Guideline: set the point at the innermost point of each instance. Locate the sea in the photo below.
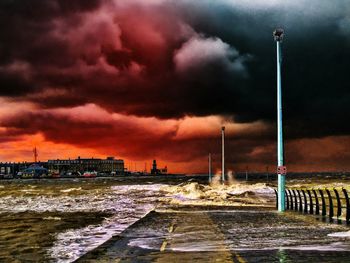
(60, 220)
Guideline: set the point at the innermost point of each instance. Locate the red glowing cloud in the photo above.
(157, 79)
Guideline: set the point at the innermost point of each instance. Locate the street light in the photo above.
(209, 172)
(281, 169)
(223, 154)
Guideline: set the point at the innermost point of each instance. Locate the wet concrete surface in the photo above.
(245, 234)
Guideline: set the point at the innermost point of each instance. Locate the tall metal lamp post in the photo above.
(281, 169)
(223, 154)
(209, 162)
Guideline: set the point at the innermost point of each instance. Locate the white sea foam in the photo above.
(28, 190)
(336, 246)
(340, 234)
(52, 218)
(72, 244)
(128, 203)
(217, 194)
(125, 203)
(70, 190)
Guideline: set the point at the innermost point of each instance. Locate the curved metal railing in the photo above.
(333, 203)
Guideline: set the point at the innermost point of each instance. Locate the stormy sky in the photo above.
(156, 79)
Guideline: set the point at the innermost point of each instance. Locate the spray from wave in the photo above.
(230, 193)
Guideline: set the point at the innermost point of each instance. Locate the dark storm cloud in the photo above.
(316, 61)
(37, 10)
(123, 58)
(13, 85)
(24, 24)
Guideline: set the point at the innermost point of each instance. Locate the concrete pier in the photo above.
(242, 234)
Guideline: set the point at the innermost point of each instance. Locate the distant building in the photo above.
(81, 165)
(6, 168)
(73, 167)
(34, 171)
(11, 168)
(155, 170)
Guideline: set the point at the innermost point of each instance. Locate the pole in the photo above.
(267, 173)
(223, 154)
(278, 33)
(209, 172)
(35, 155)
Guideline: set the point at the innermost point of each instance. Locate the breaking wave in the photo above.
(241, 194)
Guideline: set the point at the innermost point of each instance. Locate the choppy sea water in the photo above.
(79, 215)
(59, 221)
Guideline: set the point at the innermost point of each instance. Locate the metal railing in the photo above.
(332, 203)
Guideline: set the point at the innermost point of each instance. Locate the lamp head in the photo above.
(278, 34)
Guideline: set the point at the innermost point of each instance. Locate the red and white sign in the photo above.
(282, 170)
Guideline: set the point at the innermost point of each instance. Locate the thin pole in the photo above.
(35, 154)
(209, 172)
(267, 173)
(280, 153)
(223, 153)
